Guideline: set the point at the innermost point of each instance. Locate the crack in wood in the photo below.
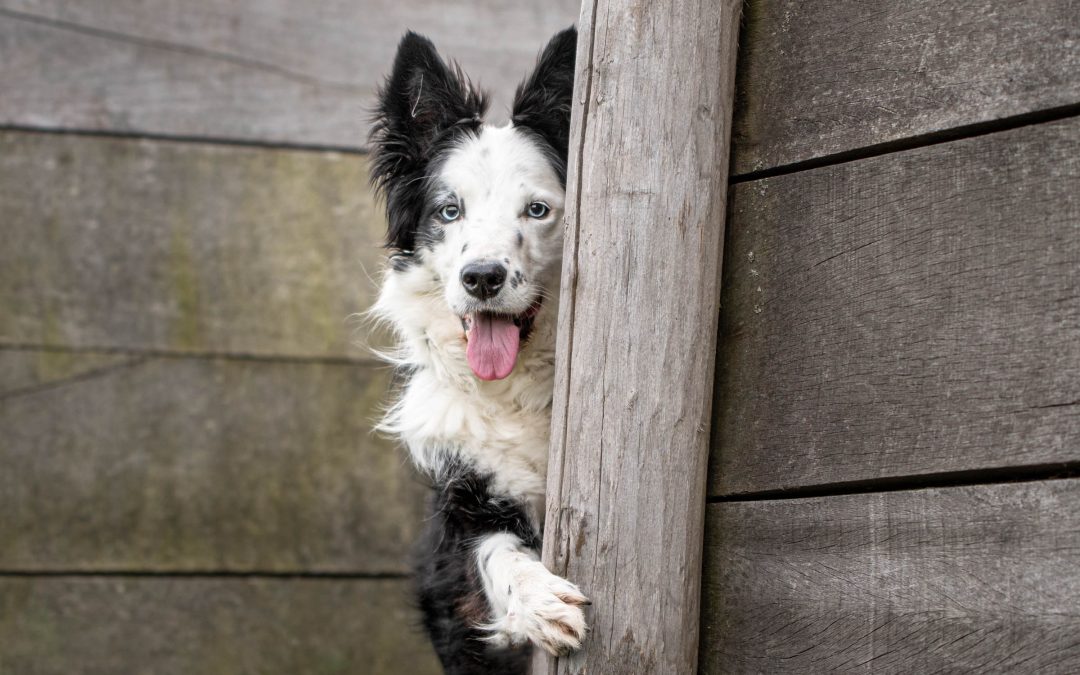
(93, 374)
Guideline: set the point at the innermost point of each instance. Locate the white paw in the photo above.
(543, 609)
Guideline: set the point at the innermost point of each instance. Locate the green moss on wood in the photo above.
(186, 327)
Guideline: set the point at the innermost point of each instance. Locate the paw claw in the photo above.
(573, 599)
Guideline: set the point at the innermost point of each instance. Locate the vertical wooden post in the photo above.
(640, 288)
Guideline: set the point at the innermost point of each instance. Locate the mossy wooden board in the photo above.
(192, 464)
(181, 247)
(209, 626)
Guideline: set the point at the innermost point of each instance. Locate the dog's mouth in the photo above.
(494, 340)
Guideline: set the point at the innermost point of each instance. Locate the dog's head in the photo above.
(475, 211)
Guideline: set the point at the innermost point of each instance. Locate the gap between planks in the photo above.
(912, 142)
(949, 479)
(254, 144)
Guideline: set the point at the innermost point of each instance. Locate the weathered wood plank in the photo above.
(236, 626)
(199, 464)
(910, 314)
(626, 483)
(269, 70)
(184, 247)
(972, 579)
(822, 77)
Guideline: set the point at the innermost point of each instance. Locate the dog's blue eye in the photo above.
(537, 210)
(449, 213)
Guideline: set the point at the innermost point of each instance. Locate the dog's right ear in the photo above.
(423, 103)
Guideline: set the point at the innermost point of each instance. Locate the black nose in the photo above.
(484, 279)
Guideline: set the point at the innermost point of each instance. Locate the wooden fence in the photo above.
(188, 479)
(896, 412)
(897, 404)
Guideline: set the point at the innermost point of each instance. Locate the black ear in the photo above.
(423, 105)
(542, 102)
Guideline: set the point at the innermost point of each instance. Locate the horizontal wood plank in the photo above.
(910, 314)
(970, 579)
(818, 78)
(132, 464)
(184, 247)
(264, 71)
(236, 626)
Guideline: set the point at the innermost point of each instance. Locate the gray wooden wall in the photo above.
(188, 478)
(896, 445)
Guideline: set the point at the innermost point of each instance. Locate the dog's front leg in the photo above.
(528, 603)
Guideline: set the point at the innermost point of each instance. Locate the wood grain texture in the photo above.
(262, 70)
(821, 77)
(958, 580)
(238, 626)
(127, 463)
(150, 245)
(630, 421)
(911, 314)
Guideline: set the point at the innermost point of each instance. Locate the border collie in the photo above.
(471, 292)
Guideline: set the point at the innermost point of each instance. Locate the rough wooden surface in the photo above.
(270, 70)
(237, 626)
(977, 579)
(820, 77)
(626, 484)
(131, 463)
(184, 247)
(908, 314)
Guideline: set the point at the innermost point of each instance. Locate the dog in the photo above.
(471, 293)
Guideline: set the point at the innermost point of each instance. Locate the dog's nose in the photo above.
(483, 279)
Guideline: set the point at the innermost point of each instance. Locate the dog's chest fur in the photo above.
(502, 426)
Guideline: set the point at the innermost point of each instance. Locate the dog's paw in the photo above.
(542, 608)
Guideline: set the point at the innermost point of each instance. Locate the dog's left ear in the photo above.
(542, 102)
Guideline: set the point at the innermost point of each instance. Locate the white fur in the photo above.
(503, 426)
(529, 602)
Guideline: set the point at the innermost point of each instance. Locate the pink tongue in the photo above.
(493, 346)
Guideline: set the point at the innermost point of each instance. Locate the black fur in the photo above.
(463, 510)
(543, 101)
(424, 106)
